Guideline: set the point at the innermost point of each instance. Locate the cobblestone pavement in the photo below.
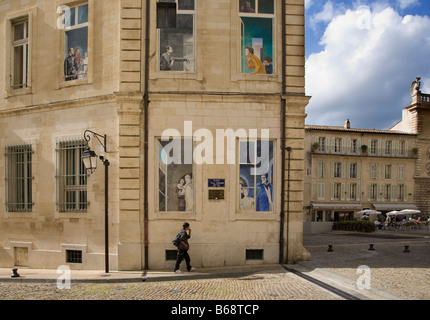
(394, 274)
(266, 285)
(403, 275)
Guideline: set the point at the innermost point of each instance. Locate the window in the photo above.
(388, 147)
(353, 191)
(257, 35)
(402, 193)
(320, 190)
(254, 254)
(387, 192)
(73, 256)
(256, 176)
(353, 170)
(20, 54)
(75, 42)
(177, 40)
(387, 171)
(374, 147)
(71, 177)
(373, 192)
(175, 175)
(321, 169)
(401, 172)
(373, 167)
(18, 178)
(402, 148)
(322, 145)
(337, 191)
(166, 15)
(354, 144)
(337, 169)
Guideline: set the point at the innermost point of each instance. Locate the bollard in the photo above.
(15, 273)
(330, 248)
(406, 249)
(371, 247)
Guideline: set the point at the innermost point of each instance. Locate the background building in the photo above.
(348, 170)
(108, 66)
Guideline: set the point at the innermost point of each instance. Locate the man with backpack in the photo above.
(181, 241)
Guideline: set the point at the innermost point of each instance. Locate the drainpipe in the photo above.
(283, 138)
(145, 133)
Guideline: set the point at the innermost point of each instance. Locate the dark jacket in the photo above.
(184, 238)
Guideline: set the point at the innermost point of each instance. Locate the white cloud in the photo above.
(308, 4)
(367, 66)
(328, 13)
(407, 3)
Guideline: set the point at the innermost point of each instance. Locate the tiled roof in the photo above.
(332, 128)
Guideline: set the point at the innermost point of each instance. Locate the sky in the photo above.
(361, 58)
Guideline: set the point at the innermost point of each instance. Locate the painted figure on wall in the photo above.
(253, 62)
(167, 60)
(264, 195)
(70, 66)
(245, 202)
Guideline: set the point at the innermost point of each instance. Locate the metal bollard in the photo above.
(406, 249)
(330, 248)
(371, 247)
(15, 273)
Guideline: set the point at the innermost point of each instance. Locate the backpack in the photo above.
(177, 240)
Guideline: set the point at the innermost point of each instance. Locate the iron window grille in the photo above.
(73, 256)
(18, 178)
(71, 177)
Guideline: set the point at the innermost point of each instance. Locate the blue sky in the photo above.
(361, 58)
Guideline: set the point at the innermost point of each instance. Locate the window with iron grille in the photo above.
(18, 178)
(253, 254)
(71, 177)
(73, 256)
(171, 255)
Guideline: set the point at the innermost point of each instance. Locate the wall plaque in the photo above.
(216, 194)
(216, 183)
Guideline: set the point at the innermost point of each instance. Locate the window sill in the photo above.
(18, 92)
(242, 215)
(74, 83)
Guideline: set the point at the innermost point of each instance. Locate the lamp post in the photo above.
(89, 158)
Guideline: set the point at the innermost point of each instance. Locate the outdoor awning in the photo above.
(336, 206)
(393, 206)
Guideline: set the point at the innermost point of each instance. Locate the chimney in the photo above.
(347, 124)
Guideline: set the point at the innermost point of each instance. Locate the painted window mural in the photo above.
(175, 175)
(177, 44)
(256, 176)
(76, 42)
(257, 41)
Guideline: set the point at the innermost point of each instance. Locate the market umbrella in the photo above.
(410, 211)
(369, 211)
(394, 213)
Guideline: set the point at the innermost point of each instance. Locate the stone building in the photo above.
(348, 169)
(177, 96)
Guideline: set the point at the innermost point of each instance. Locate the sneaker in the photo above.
(178, 271)
(192, 269)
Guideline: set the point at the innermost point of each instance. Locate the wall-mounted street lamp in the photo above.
(89, 158)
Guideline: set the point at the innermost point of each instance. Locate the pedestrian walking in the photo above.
(181, 241)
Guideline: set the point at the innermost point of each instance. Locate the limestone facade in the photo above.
(390, 174)
(52, 210)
